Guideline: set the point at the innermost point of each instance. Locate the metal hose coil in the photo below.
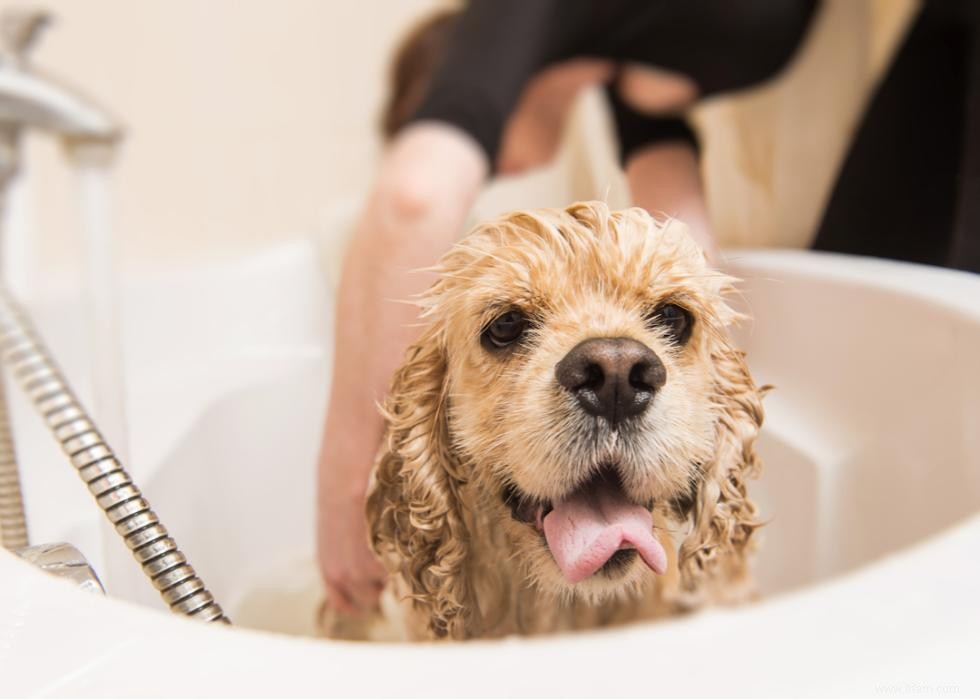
(13, 523)
(22, 349)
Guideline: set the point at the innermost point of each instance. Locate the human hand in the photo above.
(351, 573)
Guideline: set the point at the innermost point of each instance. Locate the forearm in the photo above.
(371, 333)
(665, 178)
(425, 189)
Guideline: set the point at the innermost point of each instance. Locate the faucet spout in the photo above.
(27, 100)
(30, 99)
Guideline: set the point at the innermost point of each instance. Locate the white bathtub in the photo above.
(870, 563)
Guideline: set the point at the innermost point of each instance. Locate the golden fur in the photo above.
(462, 424)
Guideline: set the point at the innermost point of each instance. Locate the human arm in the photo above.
(665, 177)
(426, 185)
(659, 150)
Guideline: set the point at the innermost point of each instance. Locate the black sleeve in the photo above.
(636, 130)
(722, 45)
(496, 47)
(965, 252)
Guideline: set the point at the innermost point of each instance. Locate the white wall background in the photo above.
(245, 120)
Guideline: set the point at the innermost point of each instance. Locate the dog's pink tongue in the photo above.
(585, 530)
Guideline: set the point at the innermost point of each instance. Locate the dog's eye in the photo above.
(506, 329)
(677, 321)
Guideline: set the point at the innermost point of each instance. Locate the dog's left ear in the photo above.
(414, 511)
(714, 554)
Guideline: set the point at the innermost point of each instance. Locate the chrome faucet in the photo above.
(31, 100)
(28, 100)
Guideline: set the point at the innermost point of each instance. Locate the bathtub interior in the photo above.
(867, 445)
(870, 442)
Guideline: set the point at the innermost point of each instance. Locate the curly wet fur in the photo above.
(462, 423)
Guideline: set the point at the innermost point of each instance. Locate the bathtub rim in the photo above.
(769, 626)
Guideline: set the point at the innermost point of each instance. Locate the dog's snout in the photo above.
(612, 377)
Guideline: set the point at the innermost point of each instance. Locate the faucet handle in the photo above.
(19, 30)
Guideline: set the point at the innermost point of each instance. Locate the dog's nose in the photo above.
(612, 377)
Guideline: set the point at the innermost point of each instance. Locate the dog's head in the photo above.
(575, 376)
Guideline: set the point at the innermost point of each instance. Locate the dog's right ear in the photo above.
(414, 512)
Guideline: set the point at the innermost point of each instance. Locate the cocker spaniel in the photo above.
(568, 440)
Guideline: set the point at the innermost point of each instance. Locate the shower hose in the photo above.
(31, 365)
(13, 524)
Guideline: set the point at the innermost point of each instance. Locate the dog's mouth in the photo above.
(595, 527)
